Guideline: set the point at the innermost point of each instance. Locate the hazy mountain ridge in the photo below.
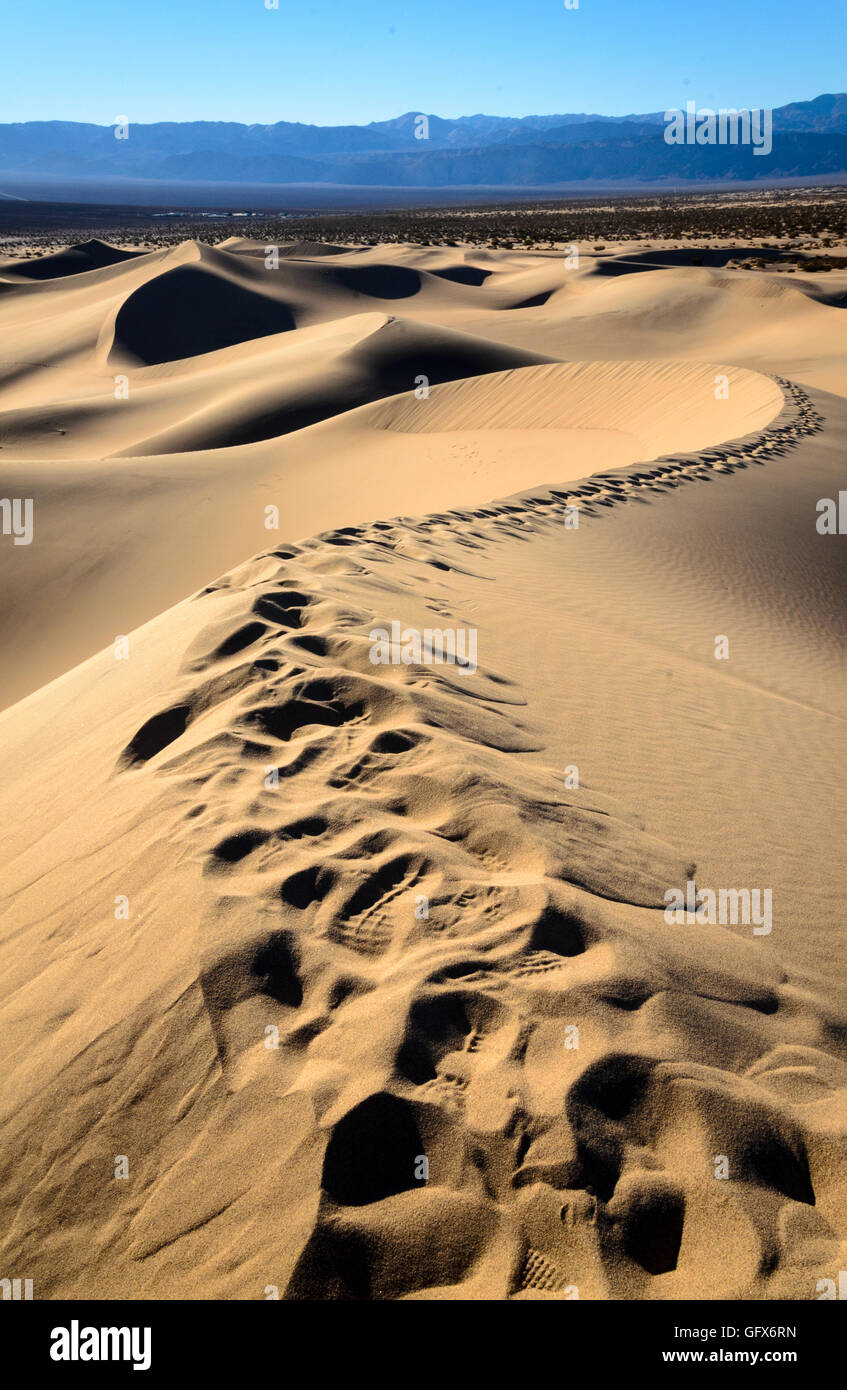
(809, 138)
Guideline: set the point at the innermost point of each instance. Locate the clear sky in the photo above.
(328, 62)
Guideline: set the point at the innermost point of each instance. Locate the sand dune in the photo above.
(613, 306)
(77, 260)
(214, 438)
(661, 404)
(279, 923)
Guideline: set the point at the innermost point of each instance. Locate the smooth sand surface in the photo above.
(364, 969)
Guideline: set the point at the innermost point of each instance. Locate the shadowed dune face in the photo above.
(77, 260)
(820, 289)
(365, 965)
(463, 274)
(190, 311)
(272, 403)
(298, 250)
(269, 390)
(624, 263)
(380, 282)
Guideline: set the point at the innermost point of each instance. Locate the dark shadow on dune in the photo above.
(653, 1231)
(401, 351)
(379, 281)
(302, 249)
(436, 1024)
(463, 274)
(670, 258)
(737, 258)
(385, 364)
(534, 302)
(822, 294)
(605, 1096)
(335, 1265)
(159, 731)
(372, 1152)
(89, 255)
(293, 251)
(189, 310)
(276, 967)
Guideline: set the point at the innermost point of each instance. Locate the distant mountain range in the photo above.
(809, 139)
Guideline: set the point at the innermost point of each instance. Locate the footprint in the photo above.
(283, 609)
(159, 732)
(539, 1274)
(372, 1152)
(314, 706)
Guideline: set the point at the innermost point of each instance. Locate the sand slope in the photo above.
(156, 405)
(278, 923)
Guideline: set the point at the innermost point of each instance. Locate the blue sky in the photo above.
(327, 62)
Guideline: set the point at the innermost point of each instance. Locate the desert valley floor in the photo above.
(229, 1030)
